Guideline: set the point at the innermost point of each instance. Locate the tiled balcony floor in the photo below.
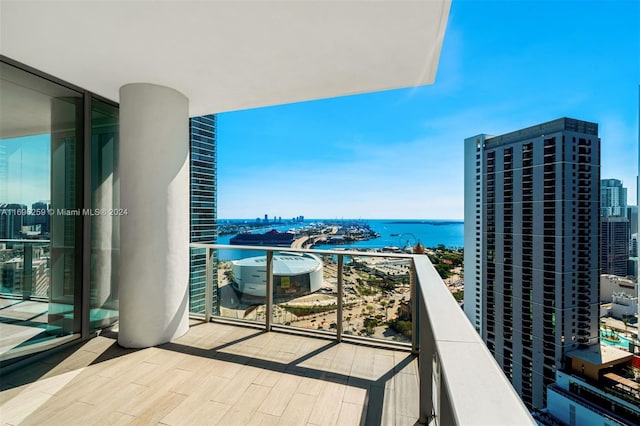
(216, 374)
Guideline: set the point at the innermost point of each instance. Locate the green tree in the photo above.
(384, 304)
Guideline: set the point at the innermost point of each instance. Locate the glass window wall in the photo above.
(43, 212)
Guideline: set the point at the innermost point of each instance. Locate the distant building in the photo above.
(596, 387)
(622, 306)
(610, 284)
(632, 215)
(613, 198)
(632, 267)
(614, 245)
(12, 219)
(203, 217)
(531, 248)
(43, 220)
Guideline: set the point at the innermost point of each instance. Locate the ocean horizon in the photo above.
(393, 232)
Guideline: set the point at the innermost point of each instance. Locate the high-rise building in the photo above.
(531, 247)
(614, 227)
(203, 217)
(614, 245)
(613, 198)
(11, 220)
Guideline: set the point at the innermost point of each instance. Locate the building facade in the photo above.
(613, 198)
(595, 387)
(531, 247)
(614, 245)
(203, 217)
(615, 226)
(632, 215)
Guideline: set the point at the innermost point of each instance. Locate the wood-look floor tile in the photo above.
(350, 414)
(357, 391)
(232, 392)
(243, 410)
(207, 413)
(263, 419)
(217, 374)
(298, 409)
(155, 407)
(280, 394)
(326, 409)
(62, 414)
(310, 386)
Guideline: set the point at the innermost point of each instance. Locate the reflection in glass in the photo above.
(203, 217)
(105, 220)
(40, 133)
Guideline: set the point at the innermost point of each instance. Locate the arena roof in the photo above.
(284, 264)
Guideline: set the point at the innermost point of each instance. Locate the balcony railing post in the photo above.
(269, 292)
(415, 311)
(208, 289)
(339, 327)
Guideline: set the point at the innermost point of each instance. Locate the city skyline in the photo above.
(399, 154)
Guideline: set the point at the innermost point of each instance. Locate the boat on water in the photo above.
(271, 238)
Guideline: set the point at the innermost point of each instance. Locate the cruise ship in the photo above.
(271, 238)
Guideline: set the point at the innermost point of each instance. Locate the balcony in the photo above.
(226, 371)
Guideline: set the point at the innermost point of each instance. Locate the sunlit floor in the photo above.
(26, 325)
(216, 374)
(21, 321)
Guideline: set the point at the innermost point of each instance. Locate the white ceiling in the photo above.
(229, 55)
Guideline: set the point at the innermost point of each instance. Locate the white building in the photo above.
(611, 284)
(593, 391)
(293, 274)
(623, 305)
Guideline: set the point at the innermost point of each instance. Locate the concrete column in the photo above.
(154, 188)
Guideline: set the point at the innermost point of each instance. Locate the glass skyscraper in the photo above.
(203, 217)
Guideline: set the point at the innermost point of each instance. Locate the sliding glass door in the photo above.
(58, 191)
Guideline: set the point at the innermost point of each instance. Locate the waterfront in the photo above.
(393, 233)
(401, 233)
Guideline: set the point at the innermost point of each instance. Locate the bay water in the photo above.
(393, 233)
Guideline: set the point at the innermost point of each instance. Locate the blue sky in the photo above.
(504, 65)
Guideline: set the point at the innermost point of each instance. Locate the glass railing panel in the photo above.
(305, 292)
(25, 272)
(334, 292)
(377, 298)
(240, 284)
